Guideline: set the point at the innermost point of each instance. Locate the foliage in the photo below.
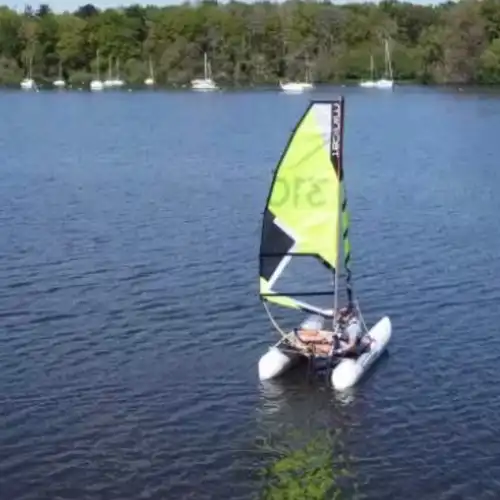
(317, 469)
(256, 43)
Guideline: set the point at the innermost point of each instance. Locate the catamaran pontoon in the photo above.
(306, 218)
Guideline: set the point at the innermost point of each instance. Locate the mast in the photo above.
(388, 64)
(337, 147)
(110, 62)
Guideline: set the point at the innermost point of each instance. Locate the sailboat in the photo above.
(387, 82)
(109, 82)
(306, 224)
(371, 82)
(308, 84)
(60, 80)
(28, 83)
(118, 82)
(97, 84)
(151, 78)
(205, 83)
(298, 87)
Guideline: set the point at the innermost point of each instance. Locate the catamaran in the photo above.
(306, 223)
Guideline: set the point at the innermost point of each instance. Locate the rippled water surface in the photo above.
(131, 327)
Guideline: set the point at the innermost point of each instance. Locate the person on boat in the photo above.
(343, 342)
(350, 334)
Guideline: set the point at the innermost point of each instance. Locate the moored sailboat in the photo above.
(150, 80)
(371, 82)
(387, 81)
(117, 81)
(306, 224)
(96, 84)
(207, 83)
(298, 87)
(60, 82)
(28, 83)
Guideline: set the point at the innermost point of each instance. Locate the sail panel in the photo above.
(278, 242)
(302, 212)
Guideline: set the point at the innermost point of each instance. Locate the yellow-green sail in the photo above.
(302, 215)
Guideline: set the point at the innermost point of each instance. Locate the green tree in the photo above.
(257, 43)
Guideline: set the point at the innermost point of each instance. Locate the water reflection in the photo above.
(309, 466)
(304, 430)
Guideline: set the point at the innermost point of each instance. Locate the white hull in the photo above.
(276, 362)
(295, 87)
(59, 83)
(384, 84)
(149, 81)
(28, 84)
(368, 84)
(346, 373)
(203, 85)
(96, 85)
(378, 84)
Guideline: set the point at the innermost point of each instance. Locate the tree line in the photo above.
(258, 43)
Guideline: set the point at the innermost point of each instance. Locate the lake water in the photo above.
(131, 326)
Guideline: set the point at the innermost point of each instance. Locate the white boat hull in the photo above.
(368, 84)
(384, 84)
(276, 361)
(96, 85)
(28, 84)
(348, 371)
(378, 84)
(295, 87)
(203, 85)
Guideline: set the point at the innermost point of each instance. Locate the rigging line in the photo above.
(274, 323)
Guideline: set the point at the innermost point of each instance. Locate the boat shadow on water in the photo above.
(312, 468)
(305, 432)
(316, 373)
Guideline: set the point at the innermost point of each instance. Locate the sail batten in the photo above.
(302, 217)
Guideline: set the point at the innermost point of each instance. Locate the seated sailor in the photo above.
(342, 342)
